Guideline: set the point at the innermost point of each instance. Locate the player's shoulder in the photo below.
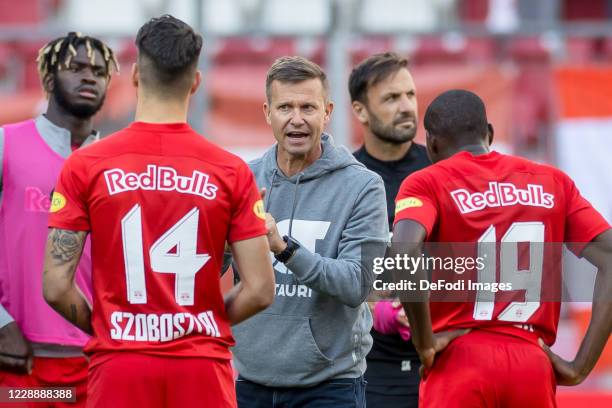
(96, 152)
(431, 173)
(103, 146)
(224, 157)
(494, 160)
(524, 165)
(363, 179)
(355, 168)
(228, 165)
(131, 140)
(205, 150)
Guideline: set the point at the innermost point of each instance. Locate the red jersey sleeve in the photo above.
(68, 204)
(248, 215)
(582, 222)
(416, 201)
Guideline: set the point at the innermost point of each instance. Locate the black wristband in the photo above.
(292, 246)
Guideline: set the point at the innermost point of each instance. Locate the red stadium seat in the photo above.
(22, 12)
(481, 49)
(528, 49)
(363, 47)
(126, 51)
(254, 50)
(473, 10)
(5, 56)
(312, 48)
(606, 49)
(584, 10)
(532, 103)
(444, 50)
(432, 50)
(26, 52)
(580, 50)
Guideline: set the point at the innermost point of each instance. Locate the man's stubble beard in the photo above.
(81, 111)
(389, 133)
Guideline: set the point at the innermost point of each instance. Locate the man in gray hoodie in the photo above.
(326, 216)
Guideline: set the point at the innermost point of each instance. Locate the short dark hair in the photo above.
(58, 54)
(458, 114)
(371, 71)
(293, 70)
(168, 52)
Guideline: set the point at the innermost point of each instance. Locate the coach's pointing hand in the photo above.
(276, 242)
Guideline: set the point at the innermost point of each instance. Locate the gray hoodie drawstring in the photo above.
(295, 196)
(269, 194)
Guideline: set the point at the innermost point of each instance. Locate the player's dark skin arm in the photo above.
(62, 255)
(599, 253)
(15, 350)
(408, 238)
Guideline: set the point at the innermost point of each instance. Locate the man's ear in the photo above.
(267, 111)
(196, 82)
(135, 75)
(48, 84)
(490, 132)
(329, 108)
(432, 143)
(428, 146)
(361, 112)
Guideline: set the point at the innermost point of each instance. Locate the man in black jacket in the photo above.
(383, 98)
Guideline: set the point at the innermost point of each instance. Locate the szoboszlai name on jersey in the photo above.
(152, 327)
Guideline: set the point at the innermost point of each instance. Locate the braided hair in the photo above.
(57, 54)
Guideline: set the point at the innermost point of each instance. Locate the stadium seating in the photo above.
(282, 16)
(386, 16)
(22, 13)
(122, 16)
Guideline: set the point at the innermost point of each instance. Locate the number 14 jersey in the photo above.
(517, 214)
(160, 201)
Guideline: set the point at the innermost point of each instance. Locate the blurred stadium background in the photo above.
(544, 68)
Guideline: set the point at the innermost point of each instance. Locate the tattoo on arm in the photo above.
(66, 245)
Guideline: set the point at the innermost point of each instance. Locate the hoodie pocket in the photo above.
(282, 349)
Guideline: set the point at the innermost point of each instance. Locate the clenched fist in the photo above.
(276, 242)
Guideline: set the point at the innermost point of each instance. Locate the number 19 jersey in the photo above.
(517, 213)
(159, 201)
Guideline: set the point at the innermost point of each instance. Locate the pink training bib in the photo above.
(30, 172)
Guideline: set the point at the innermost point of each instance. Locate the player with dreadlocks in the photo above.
(38, 348)
(75, 94)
